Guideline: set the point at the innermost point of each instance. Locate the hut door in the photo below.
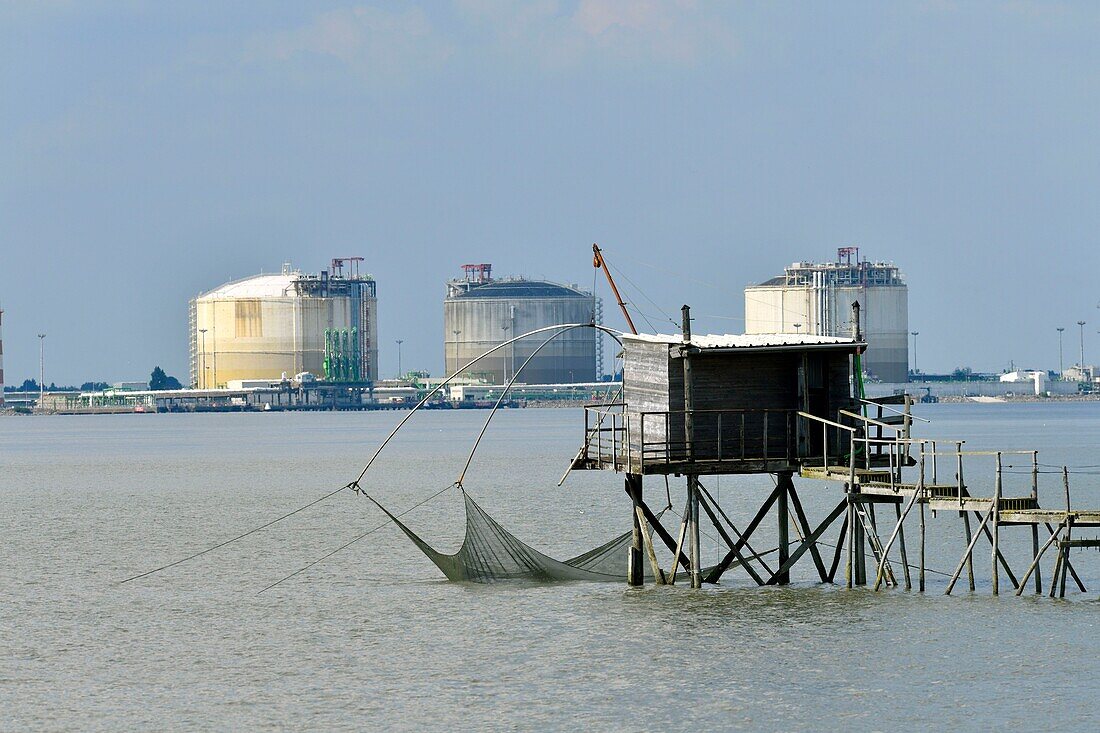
(813, 398)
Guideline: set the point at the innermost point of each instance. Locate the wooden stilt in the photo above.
(666, 538)
(901, 549)
(920, 579)
(898, 532)
(680, 544)
(1034, 566)
(850, 520)
(841, 541)
(635, 570)
(726, 538)
(1035, 553)
(800, 516)
(730, 556)
(718, 508)
(1057, 571)
(647, 540)
(996, 555)
(967, 555)
(783, 577)
(1072, 572)
(693, 529)
(970, 544)
(806, 544)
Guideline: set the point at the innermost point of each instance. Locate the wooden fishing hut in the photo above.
(722, 404)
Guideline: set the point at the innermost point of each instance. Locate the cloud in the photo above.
(377, 44)
(627, 32)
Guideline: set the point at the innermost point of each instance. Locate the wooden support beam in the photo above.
(806, 544)
(890, 543)
(729, 541)
(840, 542)
(968, 554)
(634, 569)
(673, 546)
(1034, 566)
(718, 508)
(1034, 553)
(800, 515)
(647, 539)
(970, 544)
(1072, 571)
(721, 567)
(901, 548)
(783, 577)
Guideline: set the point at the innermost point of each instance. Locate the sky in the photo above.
(150, 151)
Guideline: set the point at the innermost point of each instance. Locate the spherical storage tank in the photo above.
(265, 326)
(480, 313)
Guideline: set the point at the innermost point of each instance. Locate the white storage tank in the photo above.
(262, 326)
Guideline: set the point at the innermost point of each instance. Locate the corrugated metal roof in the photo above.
(257, 286)
(522, 289)
(743, 341)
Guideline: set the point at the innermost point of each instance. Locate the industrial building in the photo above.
(480, 312)
(275, 326)
(816, 299)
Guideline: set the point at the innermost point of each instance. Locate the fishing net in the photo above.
(490, 552)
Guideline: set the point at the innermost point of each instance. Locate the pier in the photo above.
(788, 406)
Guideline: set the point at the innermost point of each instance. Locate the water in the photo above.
(374, 638)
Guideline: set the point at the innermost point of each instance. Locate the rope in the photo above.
(346, 545)
(353, 485)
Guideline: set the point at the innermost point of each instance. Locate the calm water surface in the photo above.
(374, 638)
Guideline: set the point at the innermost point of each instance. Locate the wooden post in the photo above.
(1069, 535)
(1034, 566)
(850, 523)
(996, 526)
(921, 493)
(689, 445)
(784, 576)
(968, 554)
(901, 547)
(658, 574)
(635, 569)
(970, 549)
(1035, 553)
(922, 537)
(680, 543)
(693, 529)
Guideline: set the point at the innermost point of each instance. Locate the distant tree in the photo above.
(29, 385)
(159, 380)
(93, 386)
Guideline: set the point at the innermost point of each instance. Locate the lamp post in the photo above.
(506, 327)
(1082, 325)
(915, 334)
(798, 328)
(202, 375)
(1061, 362)
(456, 332)
(41, 368)
(399, 372)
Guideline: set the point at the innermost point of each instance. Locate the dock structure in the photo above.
(787, 404)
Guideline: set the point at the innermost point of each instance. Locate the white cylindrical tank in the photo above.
(266, 325)
(480, 315)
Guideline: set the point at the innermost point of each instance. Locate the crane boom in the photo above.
(599, 262)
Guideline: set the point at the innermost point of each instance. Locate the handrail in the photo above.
(870, 421)
(826, 422)
(894, 410)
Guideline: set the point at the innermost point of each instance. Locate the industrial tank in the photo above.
(268, 326)
(480, 312)
(817, 299)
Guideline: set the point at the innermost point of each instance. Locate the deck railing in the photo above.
(633, 441)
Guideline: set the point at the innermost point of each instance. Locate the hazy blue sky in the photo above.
(150, 151)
